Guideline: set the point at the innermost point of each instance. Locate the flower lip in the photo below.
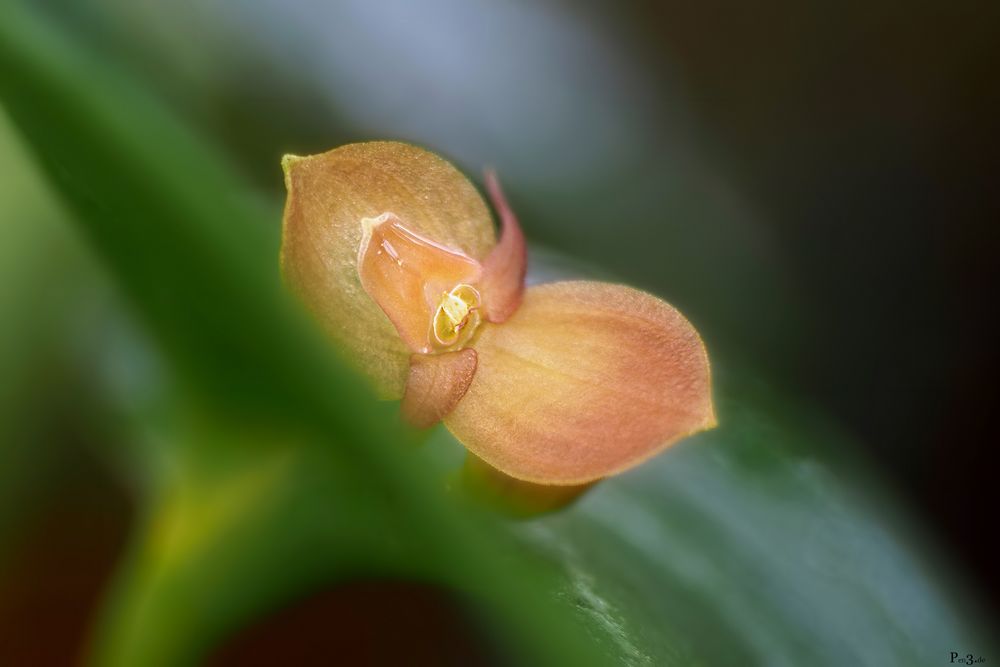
(396, 264)
(423, 287)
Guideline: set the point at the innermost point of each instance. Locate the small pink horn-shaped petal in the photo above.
(437, 382)
(586, 380)
(328, 196)
(406, 274)
(502, 284)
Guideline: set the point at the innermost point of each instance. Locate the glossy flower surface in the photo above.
(558, 384)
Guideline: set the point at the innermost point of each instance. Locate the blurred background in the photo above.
(813, 184)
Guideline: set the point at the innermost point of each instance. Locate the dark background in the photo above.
(869, 134)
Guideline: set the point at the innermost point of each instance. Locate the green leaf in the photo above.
(198, 262)
(44, 292)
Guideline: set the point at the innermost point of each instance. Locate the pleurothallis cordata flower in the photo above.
(565, 383)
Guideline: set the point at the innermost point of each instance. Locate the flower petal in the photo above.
(407, 274)
(502, 284)
(436, 383)
(586, 380)
(328, 196)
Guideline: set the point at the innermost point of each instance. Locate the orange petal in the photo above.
(586, 380)
(502, 284)
(407, 274)
(437, 382)
(328, 196)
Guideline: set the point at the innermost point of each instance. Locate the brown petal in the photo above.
(586, 380)
(328, 196)
(502, 284)
(436, 383)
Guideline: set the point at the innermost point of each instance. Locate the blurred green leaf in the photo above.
(197, 258)
(50, 300)
(277, 472)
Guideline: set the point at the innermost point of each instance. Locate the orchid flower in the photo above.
(565, 383)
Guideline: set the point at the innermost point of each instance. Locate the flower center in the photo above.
(456, 317)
